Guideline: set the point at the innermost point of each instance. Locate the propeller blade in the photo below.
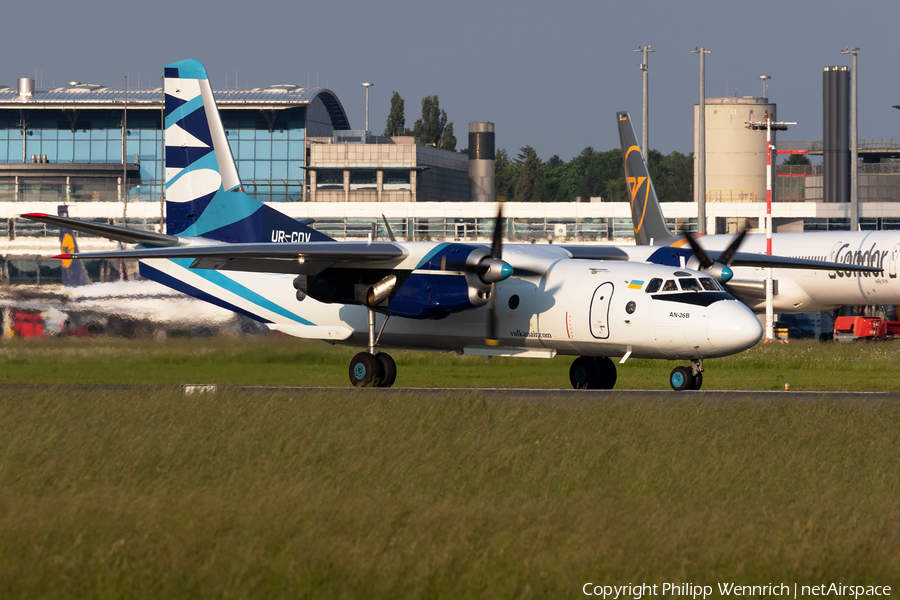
(725, 257)
(493, 317)
(705, 261)
(497, 238)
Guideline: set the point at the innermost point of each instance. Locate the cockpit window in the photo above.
(653, 286)
(710, 284)
(670, 286)
(690, 285)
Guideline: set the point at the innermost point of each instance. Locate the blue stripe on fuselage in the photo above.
(226, 283)
(176, 284)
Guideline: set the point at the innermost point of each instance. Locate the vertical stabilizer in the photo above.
(73, 272)
(204, 196)
(646, 214)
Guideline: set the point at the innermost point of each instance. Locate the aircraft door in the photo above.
(892, 265)
(599, 316)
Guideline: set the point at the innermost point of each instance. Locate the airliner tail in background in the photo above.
(646, 214)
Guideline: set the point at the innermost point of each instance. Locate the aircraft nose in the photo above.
(732, 327)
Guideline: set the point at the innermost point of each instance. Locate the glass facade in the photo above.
(270, 153)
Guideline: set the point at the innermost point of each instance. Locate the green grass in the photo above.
(806, 365)
(344, 494)
(330, 494)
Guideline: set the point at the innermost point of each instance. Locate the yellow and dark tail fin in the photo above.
(73, 271)
(646, 214)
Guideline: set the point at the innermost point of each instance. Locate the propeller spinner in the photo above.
(717, 268)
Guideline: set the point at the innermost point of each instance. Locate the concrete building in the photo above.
(355, 166)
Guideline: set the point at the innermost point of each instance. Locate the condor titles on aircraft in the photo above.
(518, 300)
(815, 270)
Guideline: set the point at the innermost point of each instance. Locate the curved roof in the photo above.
(271, 98)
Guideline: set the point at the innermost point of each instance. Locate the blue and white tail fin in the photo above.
(204, 196)
(73, 272)
(646, 214)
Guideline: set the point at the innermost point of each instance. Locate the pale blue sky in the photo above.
(549, 74)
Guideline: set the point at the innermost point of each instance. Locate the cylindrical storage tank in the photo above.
(735, 154)
(836, 134)
(828, 130)
(26, 86)
(481, 162)
(843, 135)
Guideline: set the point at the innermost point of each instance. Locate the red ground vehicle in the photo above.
(28, 325)
(848, 329)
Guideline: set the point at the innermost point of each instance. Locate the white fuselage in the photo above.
(804, 290)
(576, 307)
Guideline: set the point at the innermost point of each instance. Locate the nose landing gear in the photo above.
(687, 378)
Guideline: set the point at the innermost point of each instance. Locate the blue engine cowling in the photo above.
(443, 283)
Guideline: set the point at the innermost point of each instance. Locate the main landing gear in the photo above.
(373, 368)
(687, 378)
(592, 373)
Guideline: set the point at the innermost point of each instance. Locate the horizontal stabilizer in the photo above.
(113, 232)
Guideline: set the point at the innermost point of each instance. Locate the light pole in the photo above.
(769, 124)
(645, 115)
(701, 143)
(854, 148)
(765, 79)
(367, 86)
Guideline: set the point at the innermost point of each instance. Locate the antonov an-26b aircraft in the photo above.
(225, 247)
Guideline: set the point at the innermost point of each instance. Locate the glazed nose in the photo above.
(732, 326)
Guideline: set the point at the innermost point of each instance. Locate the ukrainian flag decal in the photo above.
(635, 284)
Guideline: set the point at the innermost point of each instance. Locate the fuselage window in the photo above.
(670, 286)
(653, 286)
(690, 285)
(709, 284)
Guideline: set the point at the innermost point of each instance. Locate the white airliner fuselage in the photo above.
(802, 290)
(575, 307)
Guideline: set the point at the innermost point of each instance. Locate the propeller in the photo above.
(493, 269)
(717, 268)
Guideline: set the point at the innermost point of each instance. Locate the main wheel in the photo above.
(585, 373)
(365, 370)
(608, 374)
(681, 379)
(388, 368)
(698, 381)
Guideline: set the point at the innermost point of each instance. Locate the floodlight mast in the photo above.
(367, 86)
(769, 124)
(765, 79)
(701, 145)
(645, 114)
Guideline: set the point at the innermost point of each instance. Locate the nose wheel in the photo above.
(593, 373)
(373, 368)
(687, 378)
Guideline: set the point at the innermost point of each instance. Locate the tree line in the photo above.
(526, 178)
(591, 174)
(432, 129)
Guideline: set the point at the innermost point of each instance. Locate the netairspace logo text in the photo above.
(694, 591)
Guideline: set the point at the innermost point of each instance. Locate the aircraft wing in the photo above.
(749, 259)
(307, 258)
